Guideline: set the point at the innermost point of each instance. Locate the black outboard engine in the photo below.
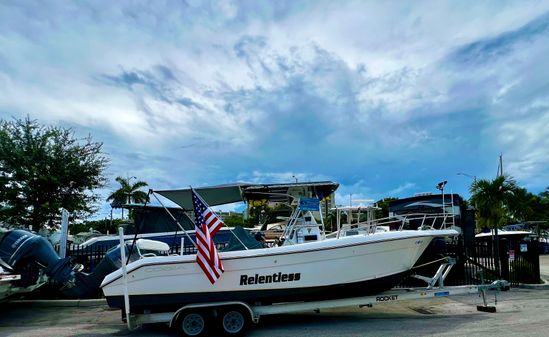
(87, 285)
(27, 253)
(31, 255)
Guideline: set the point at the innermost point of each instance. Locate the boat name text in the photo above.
(274, 278)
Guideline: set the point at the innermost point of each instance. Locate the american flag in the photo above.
(206, 225)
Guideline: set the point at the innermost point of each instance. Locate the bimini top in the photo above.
(229, 193)
(212, 195)
(289, 192)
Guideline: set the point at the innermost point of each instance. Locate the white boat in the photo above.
(308, 266)
(517, 234)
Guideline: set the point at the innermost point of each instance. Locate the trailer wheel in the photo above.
(193, 323)
(234, 321)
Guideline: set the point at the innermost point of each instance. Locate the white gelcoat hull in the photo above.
(324, 263)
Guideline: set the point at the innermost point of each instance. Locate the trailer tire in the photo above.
(234, 321)
(193, 323)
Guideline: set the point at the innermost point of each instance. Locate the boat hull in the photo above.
(172, 302)
(333, 268)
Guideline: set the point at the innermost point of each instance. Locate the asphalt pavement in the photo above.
(520, 312)
(544, 266)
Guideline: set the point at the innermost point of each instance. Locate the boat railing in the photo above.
(291, 224)
(422, 221)
(367, 227)
(429, 221)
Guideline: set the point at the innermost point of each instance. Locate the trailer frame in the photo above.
(196, 316)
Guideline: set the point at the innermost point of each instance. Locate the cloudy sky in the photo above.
(387, 98)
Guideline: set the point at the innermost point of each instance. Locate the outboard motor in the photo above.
(27, 253)
(86, 285)
(23, 251)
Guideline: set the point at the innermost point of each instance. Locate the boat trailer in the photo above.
(234, 317)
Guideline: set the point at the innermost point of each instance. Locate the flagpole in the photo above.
(224, 224)
(177, 222)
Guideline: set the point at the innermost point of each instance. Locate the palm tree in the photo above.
(128, 193)
(495, 200)
(542, 208)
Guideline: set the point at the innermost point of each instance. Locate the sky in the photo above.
(388, 98)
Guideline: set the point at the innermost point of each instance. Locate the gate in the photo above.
(518, 262)
(523, 260)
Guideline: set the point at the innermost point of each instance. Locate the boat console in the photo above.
(305, 229)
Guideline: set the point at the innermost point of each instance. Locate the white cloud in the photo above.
(223, 91)
(397, 191)
(280, 177)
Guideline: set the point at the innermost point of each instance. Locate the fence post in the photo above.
(504, 258)
(534, 251)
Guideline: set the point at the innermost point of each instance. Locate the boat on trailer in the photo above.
(307, 266)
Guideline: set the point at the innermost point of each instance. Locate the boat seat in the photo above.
(151, 246)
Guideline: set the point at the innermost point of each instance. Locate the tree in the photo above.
(383, 204)
(103, 226)
(544, 197)
(128, 193)
(45, 168)
(233, 220)
(495, 201)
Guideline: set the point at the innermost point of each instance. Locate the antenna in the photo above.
(500, 165)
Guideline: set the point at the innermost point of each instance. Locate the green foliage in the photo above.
(257, 215)
(128, 193)
(544, 196)
(43, 169)
(234, 220)
(494, 201)
(261, 214)
(99, 225)
(384, 205)
(501, 201)
(540, 208)
(330, 222)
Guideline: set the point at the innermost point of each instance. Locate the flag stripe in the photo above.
(206, 225)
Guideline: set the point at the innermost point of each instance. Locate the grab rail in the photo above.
(398, 222)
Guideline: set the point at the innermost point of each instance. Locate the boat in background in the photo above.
(505, 234)
(153, 222)
(28, 261)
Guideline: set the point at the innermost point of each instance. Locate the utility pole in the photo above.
(500, 166)
(440, 186)
(496, 236)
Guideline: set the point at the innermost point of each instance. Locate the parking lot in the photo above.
(520, 312)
